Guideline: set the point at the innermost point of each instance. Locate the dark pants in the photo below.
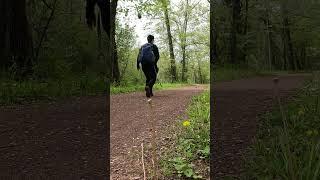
(150, 73)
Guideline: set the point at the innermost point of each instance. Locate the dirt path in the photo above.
(237, 105)
(130, 124)
(60, 140)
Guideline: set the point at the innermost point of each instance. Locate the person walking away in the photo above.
(148, 58)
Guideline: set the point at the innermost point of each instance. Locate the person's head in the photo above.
(150, 39)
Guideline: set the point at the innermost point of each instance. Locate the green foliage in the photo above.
(69, 47)
(190, 31)
(261, 37)
(67, 58)
(197, 42)
(125, 39)
(134, 88)
(228, 72)
(289, 151)
(184, 168)
(192, 141)
(30, 90)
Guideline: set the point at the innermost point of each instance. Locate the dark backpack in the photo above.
(146, 54)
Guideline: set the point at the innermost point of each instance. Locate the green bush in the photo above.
(288, 147)
(192, 142)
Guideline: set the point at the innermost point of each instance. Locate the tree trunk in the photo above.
(44, 33)
(195, 78)
(246, 33)
(199, 72)
(213, 37)
(16, 41)
(290, 45)
(234, 29)
(114, 55)
(303, 55)
(284, 50)
(106, 13)
(269, 35)
(4, 35)
(184, 44)
(287, 36)
(101, 54)
(172, 58)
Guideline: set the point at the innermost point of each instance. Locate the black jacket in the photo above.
(155, 52)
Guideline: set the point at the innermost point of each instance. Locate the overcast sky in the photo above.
(140, 25)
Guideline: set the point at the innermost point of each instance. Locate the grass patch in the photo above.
(288, 147)
(135, 88)
(190, 152)
(13, 92)
(228, 74)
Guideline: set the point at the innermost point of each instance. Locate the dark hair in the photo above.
(150, 38)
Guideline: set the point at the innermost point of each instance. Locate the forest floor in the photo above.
(131, 119)
(72, 124)
(238, 105)
(62, 139)
(57, 140)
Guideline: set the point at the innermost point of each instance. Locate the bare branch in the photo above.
(45, 3)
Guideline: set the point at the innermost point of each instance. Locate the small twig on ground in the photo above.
(144, 170)
(8, 146)
(277, 94)
(285, 124)
(154, 158)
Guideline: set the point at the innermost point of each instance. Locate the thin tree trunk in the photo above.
(4, 34)
(284, 50)
(290, 45)
(184, 43)
(99, 34)
(303, 66)
(269, 36)
(233, 42)
(100, 51)
(16, 40)
(287, 36)
(116, 70)
(246, 33)
(123, 70)
(195, 77)
(199, 72)
(213, 37)
(172, 58)
(212, 61)
(114, 55)
(53, 8)
(234, 30)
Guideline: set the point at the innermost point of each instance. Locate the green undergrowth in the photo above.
(13, 92)
(189, 157)
(227, 74)
(17, 92)
(288, 144)
(140, 87)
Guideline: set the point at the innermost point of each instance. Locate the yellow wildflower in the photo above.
(300, 112)
(309, 132)
(186, 123)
